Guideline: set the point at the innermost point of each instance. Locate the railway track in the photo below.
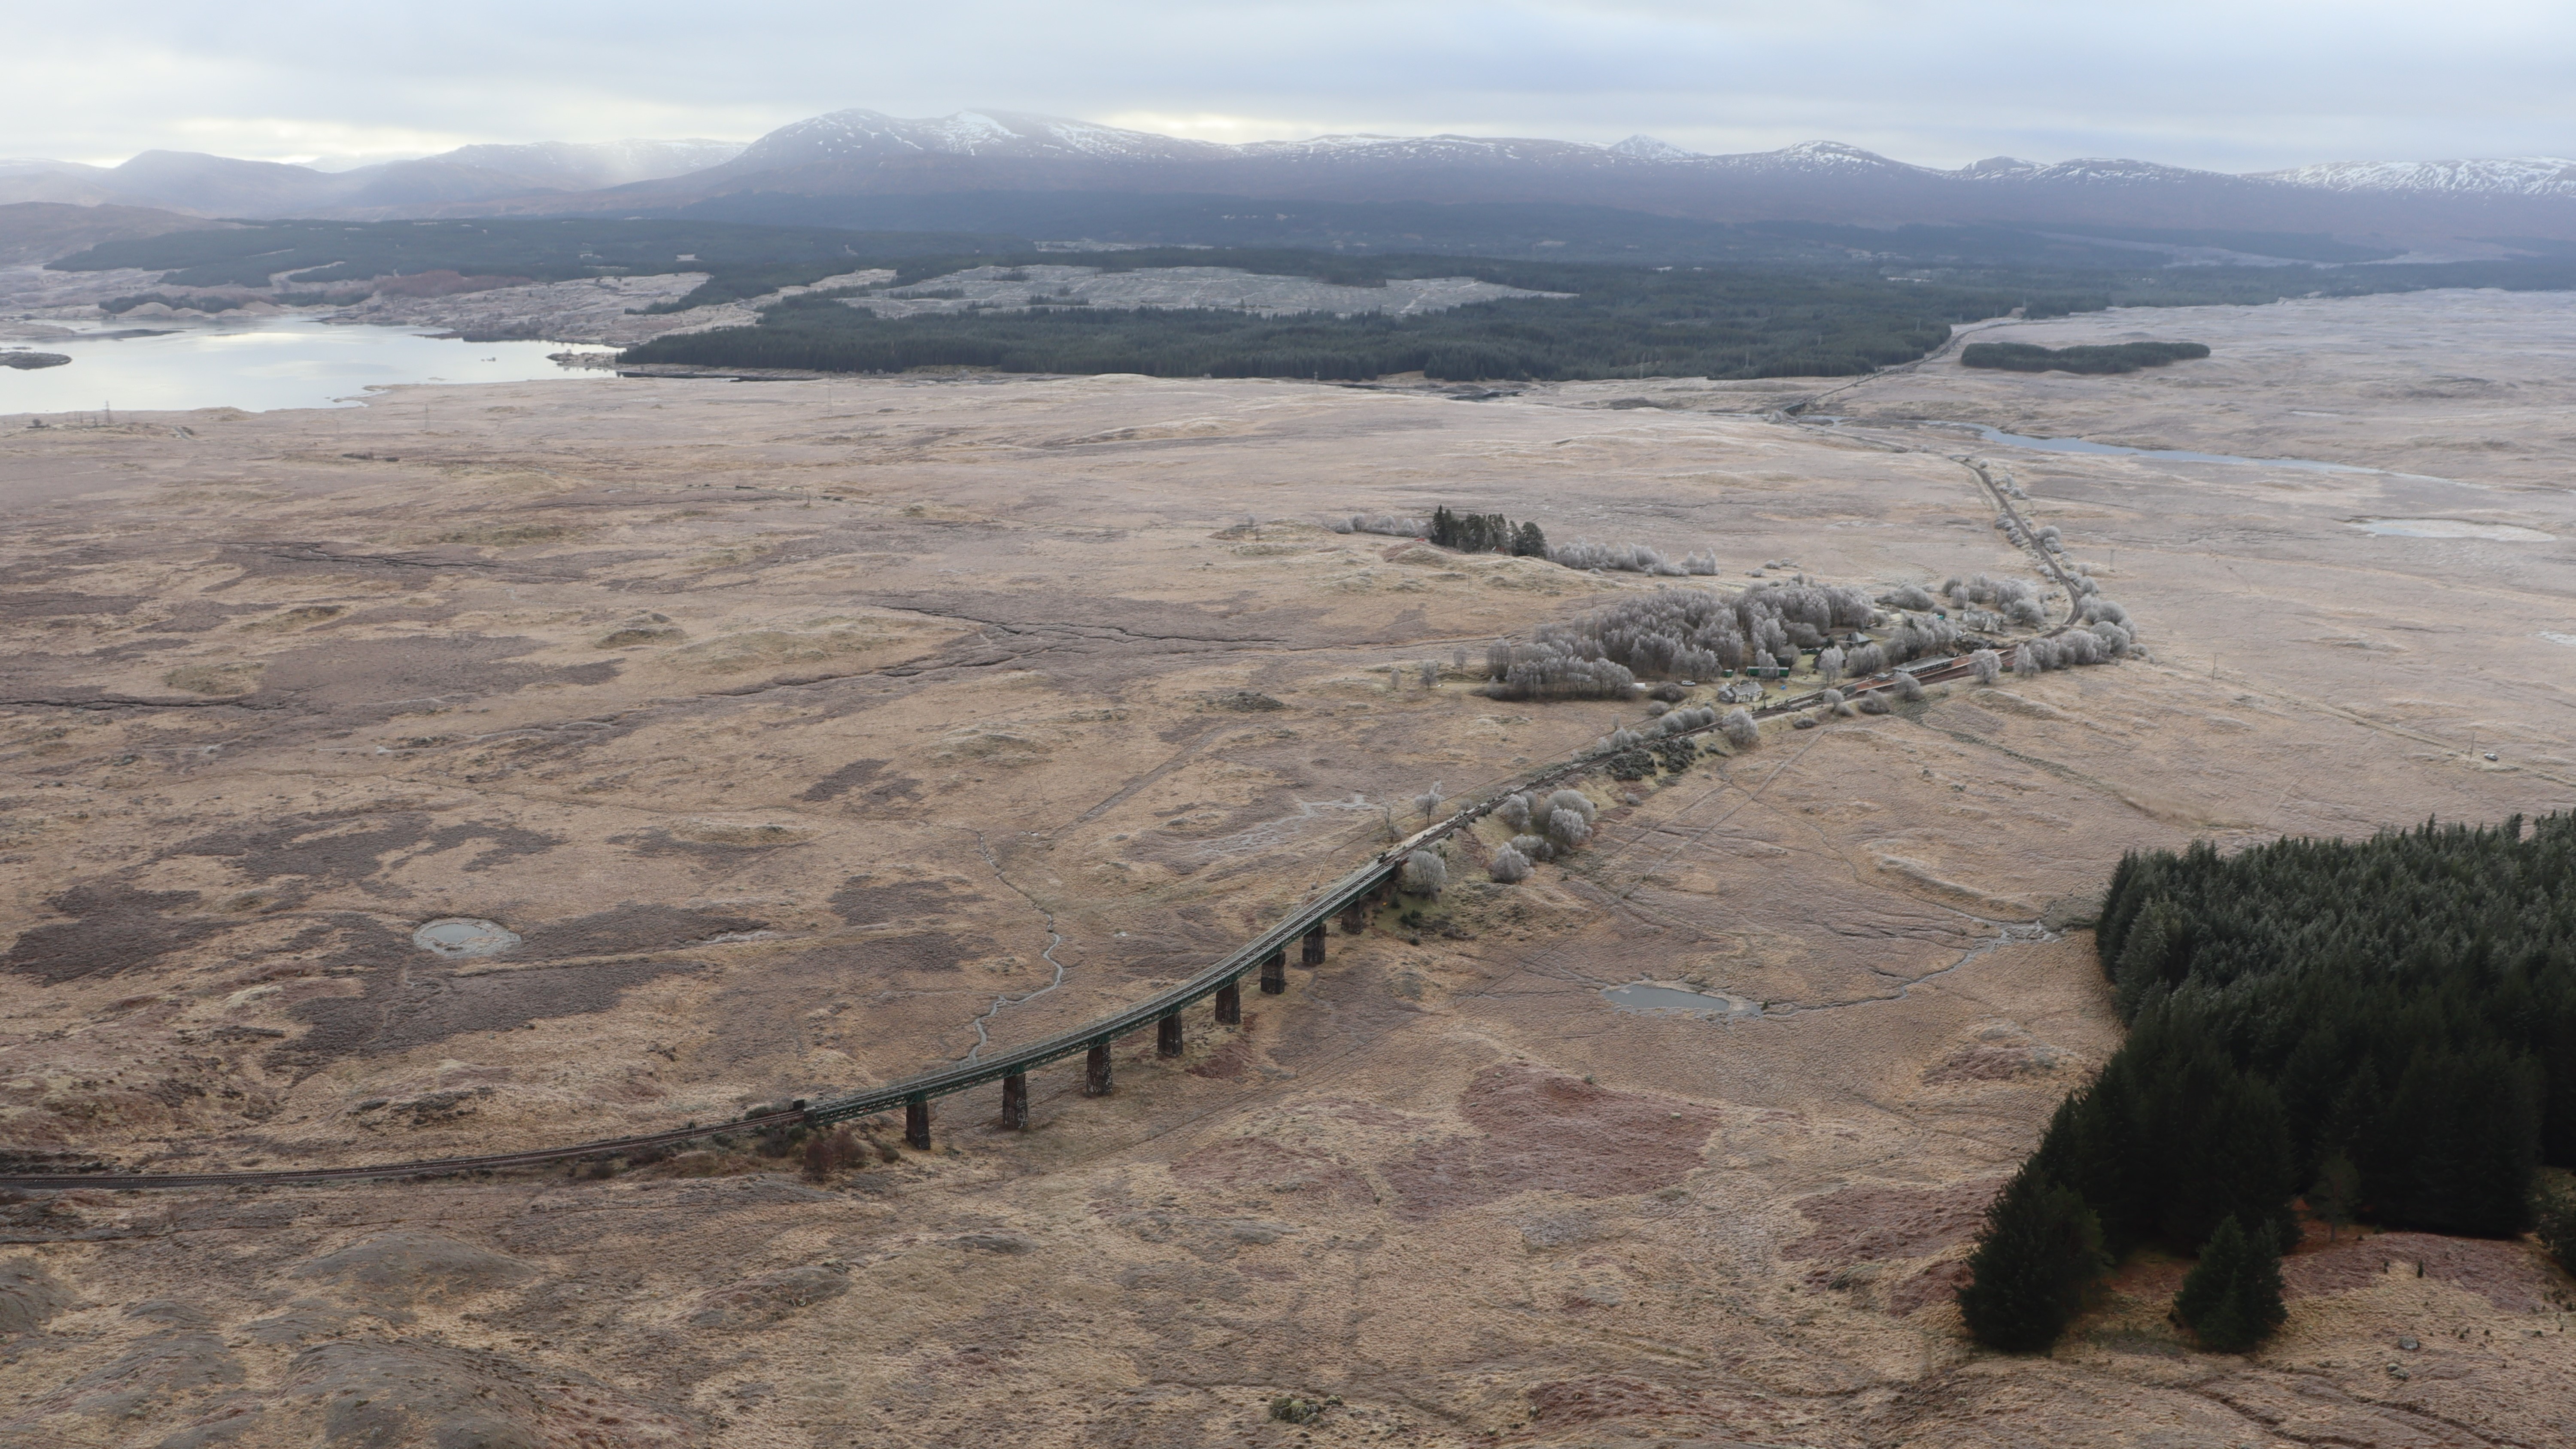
(1264, 954)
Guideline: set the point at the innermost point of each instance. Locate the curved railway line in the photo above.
(1265, 954)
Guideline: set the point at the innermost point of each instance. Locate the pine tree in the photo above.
(2455, 1148)
(2039, 1250)
(2232, 1299)
(1444, 526)
(2336, 1197)
(1529, 542)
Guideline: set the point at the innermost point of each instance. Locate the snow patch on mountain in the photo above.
(2552, 176)
(1648, 148)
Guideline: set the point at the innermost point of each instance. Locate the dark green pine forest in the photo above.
(2385, 1027)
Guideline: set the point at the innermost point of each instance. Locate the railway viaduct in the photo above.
(1263, 959)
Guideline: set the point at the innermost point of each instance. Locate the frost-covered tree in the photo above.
(1989, 665)
(1574, 800)
(1568, 829)
(1514, 811)
(1508, 866)
(1430, 674)
(1740, 730)
(1535, 847)
(1865, 661)
(1425, 874)
(1908, 688)
(1829, 665)
(1429, 800)
(1910, 596)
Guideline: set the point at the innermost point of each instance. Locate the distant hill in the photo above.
(999, 155)
(867, 153)
(222, 186)
(39, 231)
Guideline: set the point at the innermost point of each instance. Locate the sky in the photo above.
(2239, 86)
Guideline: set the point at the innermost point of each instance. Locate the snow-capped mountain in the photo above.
(865, 153)
(860, 136)
(2510, 176)
(1649, 148)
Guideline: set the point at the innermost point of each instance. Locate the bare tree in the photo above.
(1425, 874)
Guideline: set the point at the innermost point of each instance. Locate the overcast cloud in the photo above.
(2234, 86)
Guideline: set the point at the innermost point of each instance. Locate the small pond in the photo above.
(1659, 999)
(458, 936)
(2451, 528)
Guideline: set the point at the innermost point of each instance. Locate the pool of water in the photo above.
(2171, 455)
(465, 936)
(1647, 996)
(2451, 528)
(269, 362)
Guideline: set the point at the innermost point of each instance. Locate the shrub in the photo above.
(1508, 866)
(1425, 874)
(1908, 688)
(2232, 1299)
(829, 1152)
(1534, 847)
(2039, 1250)
(1570, 830)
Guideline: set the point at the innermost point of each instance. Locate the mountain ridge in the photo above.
(858, 152)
